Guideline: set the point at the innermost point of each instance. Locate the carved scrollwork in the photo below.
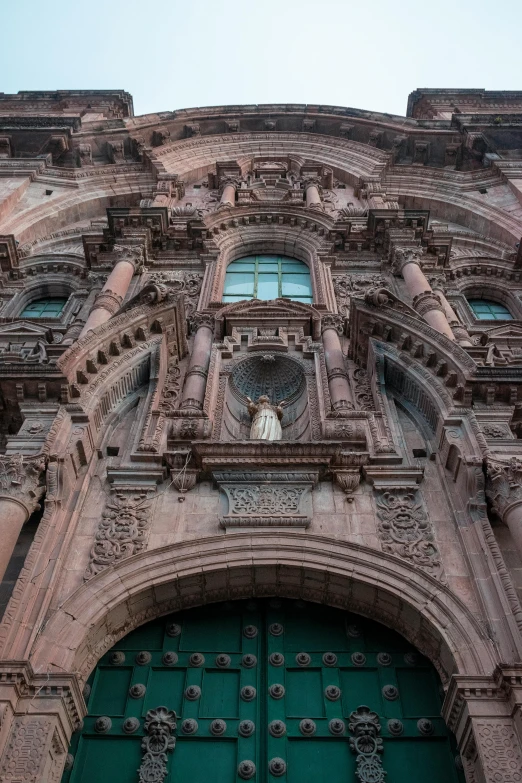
(405, 529)
(160, 725)
(122, 531)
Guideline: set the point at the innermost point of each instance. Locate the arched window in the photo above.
(51, 307)
(267, 277)
(487, 310)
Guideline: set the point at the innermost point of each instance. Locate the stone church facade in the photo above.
(158, 275)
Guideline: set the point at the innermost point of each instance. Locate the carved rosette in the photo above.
(367, 745)
(405, 529)
(122, 531)
(21, 480)
(504, 484)
(160, 725)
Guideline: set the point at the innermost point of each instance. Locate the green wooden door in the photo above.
(265, 691)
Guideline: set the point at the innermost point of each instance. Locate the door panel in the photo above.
(268, 682)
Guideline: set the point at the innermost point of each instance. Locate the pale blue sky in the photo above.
(180, 54)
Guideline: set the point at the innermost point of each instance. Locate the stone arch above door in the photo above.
(296, 565)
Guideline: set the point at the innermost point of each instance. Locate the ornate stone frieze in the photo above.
(122, 530)
(347, 286)
(367, 745)
(262, 498)
(172, 388)
(182, 282)
(405, 529)
(160, 725)
(363, 390)
(34, 752)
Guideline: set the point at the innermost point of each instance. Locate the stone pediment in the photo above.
(506, 331)
(25, 330)
(276, 311)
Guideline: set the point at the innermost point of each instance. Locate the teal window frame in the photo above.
(262, 269)
(488, 310)
(44, 308)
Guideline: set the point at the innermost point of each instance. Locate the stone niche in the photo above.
(279, 376)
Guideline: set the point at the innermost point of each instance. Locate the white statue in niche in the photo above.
(266, 419)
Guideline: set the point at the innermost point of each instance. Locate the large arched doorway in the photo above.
(263, 690)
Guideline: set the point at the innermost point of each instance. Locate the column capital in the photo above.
(21, 480)
(200, 320)
(332, 321)
(132, 254)
(504, 484)
(403, 256)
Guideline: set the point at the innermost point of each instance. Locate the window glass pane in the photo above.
(241, 266)
(486, 310)
(44, 308)
(239, 283)
(267, 286)
(296, 285)
(267, 277)
(294, 266)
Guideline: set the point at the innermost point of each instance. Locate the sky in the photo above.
(184, 53)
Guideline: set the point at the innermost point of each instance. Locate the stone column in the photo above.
(504, 489)
(459, 331)
(196, 378)
(340, 393)
(478, 710)
(228, 195)
(110, 298)
(313, 197)
(407, 263)
(20, 491)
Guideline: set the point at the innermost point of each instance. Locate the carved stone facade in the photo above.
(129, 484)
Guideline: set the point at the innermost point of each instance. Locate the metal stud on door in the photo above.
(265, 691)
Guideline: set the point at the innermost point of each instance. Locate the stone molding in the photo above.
(108, 300)
(351, 576)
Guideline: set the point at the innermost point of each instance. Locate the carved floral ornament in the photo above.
(405, 529)
(122, 531)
